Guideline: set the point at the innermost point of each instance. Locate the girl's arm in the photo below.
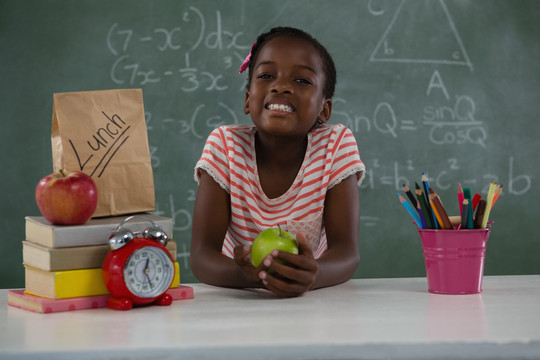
(338, 263)
(341, 220)
(211, 216)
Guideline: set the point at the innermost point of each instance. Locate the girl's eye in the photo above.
(304, 81)
(264, 76)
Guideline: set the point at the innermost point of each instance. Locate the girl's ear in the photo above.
(246, 103)
(326, 111)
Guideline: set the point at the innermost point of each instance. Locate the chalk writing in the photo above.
(460, 117)
(223, 115)
(456, 124)
(383, 120)
(449, 173)
(182, 255)
(133, 71)
(414, 46)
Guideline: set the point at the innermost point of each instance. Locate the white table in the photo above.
(365, 318)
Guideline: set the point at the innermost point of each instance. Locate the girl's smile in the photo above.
(280, 107)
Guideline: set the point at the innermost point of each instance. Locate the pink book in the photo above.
(26, 301)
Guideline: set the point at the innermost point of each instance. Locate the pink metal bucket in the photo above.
(454, 259)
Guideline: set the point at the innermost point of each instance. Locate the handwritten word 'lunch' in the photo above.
(110, 138)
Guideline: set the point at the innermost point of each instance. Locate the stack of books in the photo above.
(63, 263)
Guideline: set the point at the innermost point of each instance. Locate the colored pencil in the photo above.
(421, 214)
(426, 194)
(435, 212)
(480, 213)
(464, 213)
(410, 195)
(460, 198)
(489, 200)
(411, 211)
(423, 205)
(426, 186)
(467, 195)
(428, 214)
(439, 210)
(496, 194)
(475, 200)
(436, 219)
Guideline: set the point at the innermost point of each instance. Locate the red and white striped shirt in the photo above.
(229, 157)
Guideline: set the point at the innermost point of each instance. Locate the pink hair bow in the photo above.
(245, 64)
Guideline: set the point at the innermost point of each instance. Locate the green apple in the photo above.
(272, 239)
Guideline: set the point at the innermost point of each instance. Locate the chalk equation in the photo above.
(206, 116)
(393, 174)
(131, 67)
(455, 124)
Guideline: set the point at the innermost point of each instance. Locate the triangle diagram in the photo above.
(421, 31)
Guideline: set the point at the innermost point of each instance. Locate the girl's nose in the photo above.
(281, 87)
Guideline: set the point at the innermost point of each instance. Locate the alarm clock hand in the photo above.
(146, 265)
(146, 271)
(150, 282)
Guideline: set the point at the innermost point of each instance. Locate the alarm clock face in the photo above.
(148, 272)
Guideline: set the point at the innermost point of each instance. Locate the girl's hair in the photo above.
(328, 63)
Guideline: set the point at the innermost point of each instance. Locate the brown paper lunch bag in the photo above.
(104, 134)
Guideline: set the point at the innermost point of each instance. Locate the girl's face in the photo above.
(285, 96)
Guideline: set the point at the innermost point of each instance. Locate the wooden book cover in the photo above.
(70, 258)
(23, 300)
(94, 232)
(72, 283)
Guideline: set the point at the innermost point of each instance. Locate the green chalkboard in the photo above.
(450, 88)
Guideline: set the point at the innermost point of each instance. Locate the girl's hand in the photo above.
(242, 257)
(296, 276)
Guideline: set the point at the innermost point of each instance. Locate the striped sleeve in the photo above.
(214, 159)
(345, 157)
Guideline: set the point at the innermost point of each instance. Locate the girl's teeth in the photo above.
(280, 107)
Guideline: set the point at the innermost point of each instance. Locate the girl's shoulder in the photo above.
(331, 131)
(236, 129)
(227, 133)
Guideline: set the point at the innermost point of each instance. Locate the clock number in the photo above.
(148, 272)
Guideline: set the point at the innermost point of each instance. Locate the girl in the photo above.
(290, 170)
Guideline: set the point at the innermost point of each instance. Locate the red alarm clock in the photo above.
(138, 269)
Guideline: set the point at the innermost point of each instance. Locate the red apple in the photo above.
(67, 197)
(271, 239)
